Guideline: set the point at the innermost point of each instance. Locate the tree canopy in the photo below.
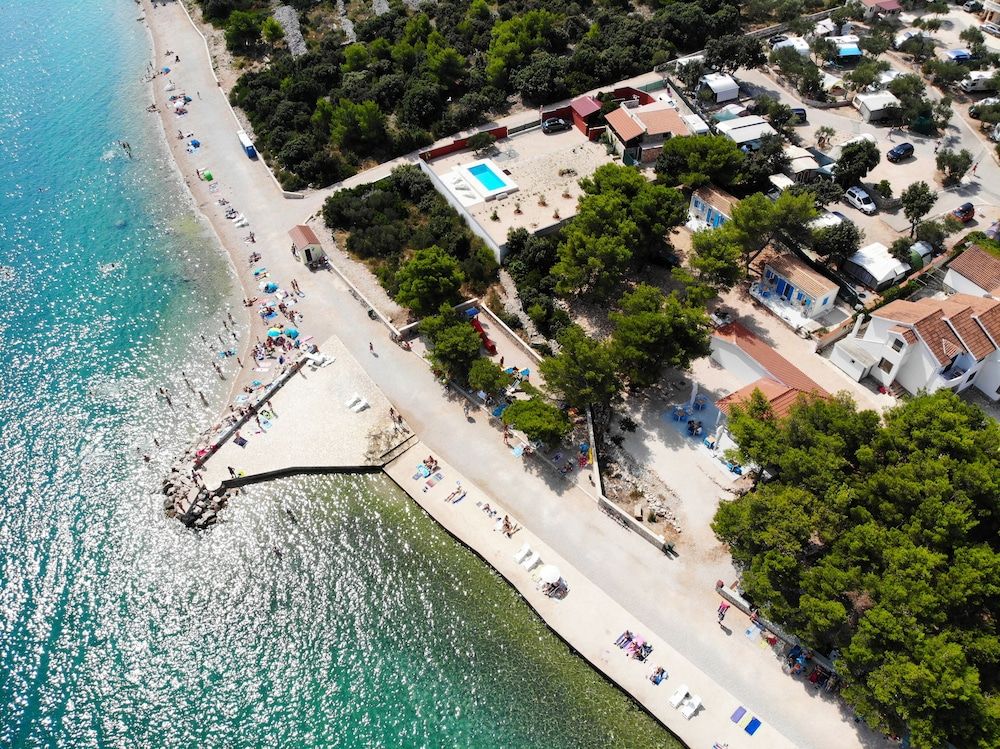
(454, 343)
(584, 372)
(856, 160)
(428, 279)
(699, 159)
(538, 419)
(838, 242)
(881, 539)
(918, 199)
(621, 216)
(653, 330)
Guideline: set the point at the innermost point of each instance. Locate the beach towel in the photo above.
(265, 424)
(439, 475)
(242, 398)
(752, 726)
(458, 499)
(431, 482)
(417, 476)
(241, 441)
(738, 713)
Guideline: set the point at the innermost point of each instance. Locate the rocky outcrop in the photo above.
(289, 20)
(190, 502)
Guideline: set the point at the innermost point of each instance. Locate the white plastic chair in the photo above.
(691, 706)
(521, 554)
(534, 559)
(679, 696)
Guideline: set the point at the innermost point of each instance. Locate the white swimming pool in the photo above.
(486, 179)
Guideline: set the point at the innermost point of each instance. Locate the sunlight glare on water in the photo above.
(323, 611)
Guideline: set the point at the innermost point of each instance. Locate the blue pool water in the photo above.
(119, 628)
(487, 177)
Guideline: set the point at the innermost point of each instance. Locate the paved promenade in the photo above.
(587, 617)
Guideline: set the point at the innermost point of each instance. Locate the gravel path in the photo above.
(289, 20)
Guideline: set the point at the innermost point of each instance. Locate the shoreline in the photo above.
(330, 313)
(158, 48)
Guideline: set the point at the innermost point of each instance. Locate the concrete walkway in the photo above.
(587, 617)
(674, 598)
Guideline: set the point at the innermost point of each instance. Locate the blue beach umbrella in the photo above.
(292, 332)
(195, 143)
(165, 70)
(273, 333)
(270, 287)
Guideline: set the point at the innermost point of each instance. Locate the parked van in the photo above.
(977, 80)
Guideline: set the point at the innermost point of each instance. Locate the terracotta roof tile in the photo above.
(908, 335)
(939, 336)
(776, 365)
(585, 105)
(903, 311)
(662, 121)
(990, 322)
(971, 334)
(303, 236)
(623, 124)
(980, 267)
(781, 397)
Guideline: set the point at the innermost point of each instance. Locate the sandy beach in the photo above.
(630, 591)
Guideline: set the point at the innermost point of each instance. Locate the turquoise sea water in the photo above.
(367, 627)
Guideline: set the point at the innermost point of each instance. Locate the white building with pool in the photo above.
(478, 181)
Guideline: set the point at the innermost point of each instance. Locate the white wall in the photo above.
(988, 379)
(957, 282)
(918, 370)
(733, 360)
(850, 366)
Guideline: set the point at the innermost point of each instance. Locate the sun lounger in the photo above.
(521, 554)
(533, 559)
(679, 696)
(360, 406)
(690, 707)
(353, 401)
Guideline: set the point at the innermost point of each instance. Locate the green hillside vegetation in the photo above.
(882, 539)
(412, 77)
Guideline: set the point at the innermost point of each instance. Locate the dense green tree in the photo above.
(866, 73)
(881, 539)
(514, 40)
(699, 159)
(243, 29)
(757, 220)
(539, 419)
(936, 232)
(271, 31)
(584, 372)
(621, 216)
(454, 343)
(953, 165)
(428, 279)
(732, 52)
(716, 256)
(487, 376)
(918, 199)
(543, 79)
(653, 331)
(838, 242)
(856, 160)
(824, 191)
(769, 158)
(357, 125)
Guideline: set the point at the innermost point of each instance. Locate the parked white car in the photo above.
(861, 200)
(990, 28)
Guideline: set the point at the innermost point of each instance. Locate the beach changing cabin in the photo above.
(306, 244)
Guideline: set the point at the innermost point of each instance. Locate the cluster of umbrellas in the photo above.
(292, 333)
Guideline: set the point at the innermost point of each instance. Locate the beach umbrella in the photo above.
(549, 574)
(164, 70)
(292, 332)
(518, 451)
(273, 333)
(270, 287)
(196, 143)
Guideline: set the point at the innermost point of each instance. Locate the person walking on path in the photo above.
(232, 471)
(371, 347)
(723, 609)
